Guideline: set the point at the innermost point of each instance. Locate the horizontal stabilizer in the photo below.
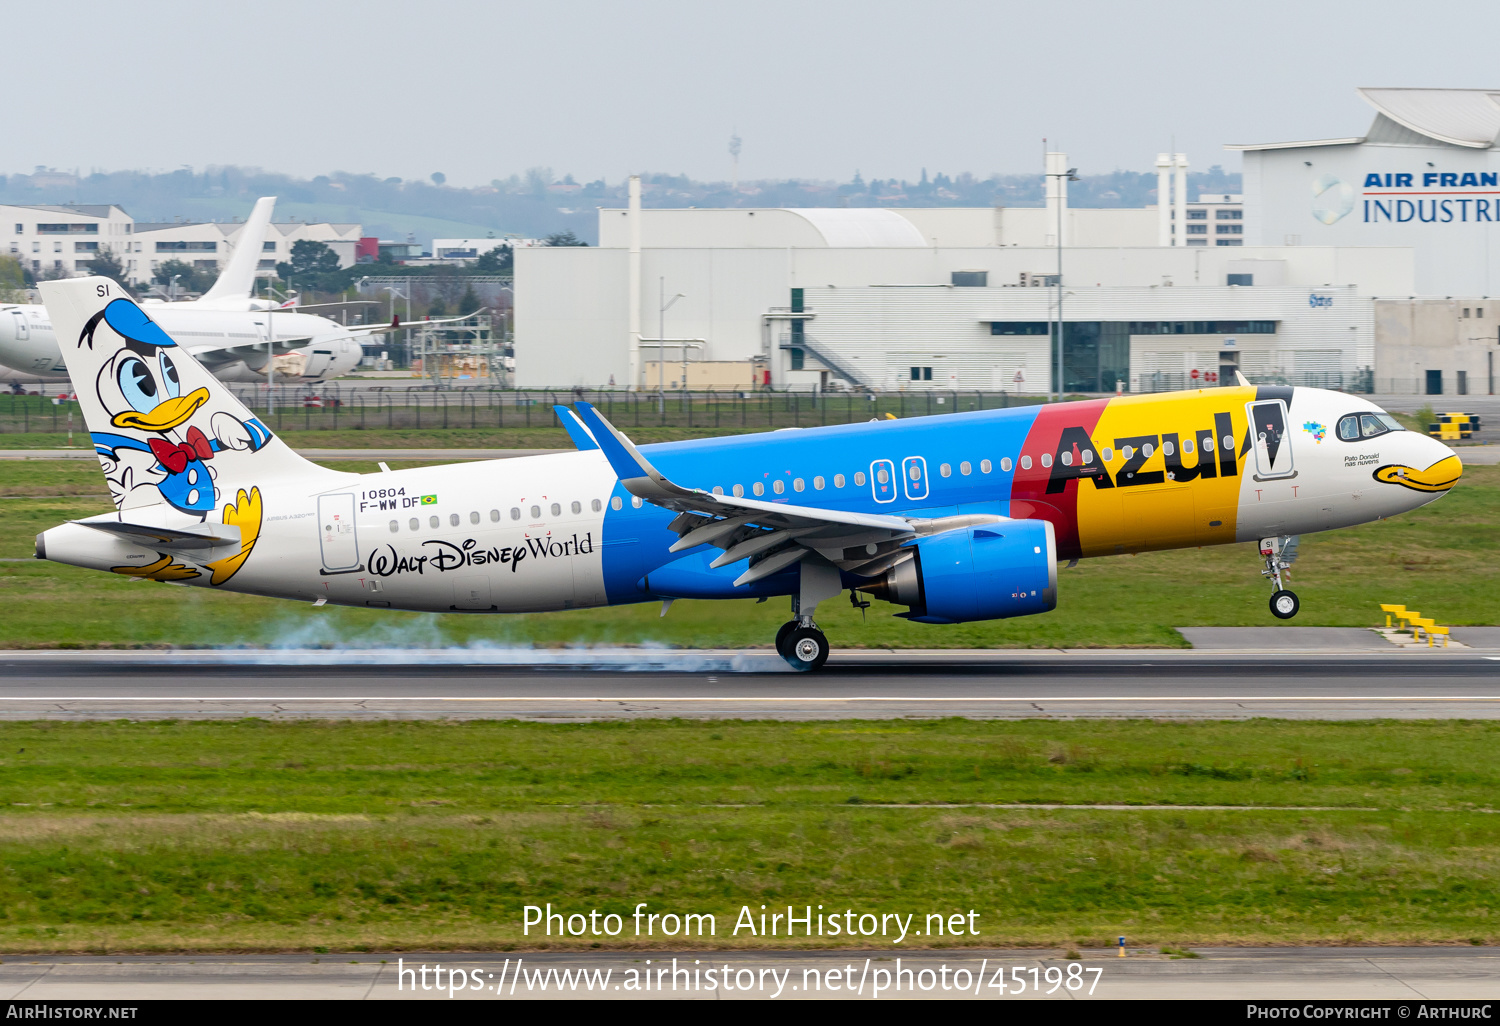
(201, 536)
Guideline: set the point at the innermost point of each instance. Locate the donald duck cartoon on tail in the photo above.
(183, 457)
(141, 389)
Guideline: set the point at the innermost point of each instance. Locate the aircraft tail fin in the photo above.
(165, 429)
(238, 276)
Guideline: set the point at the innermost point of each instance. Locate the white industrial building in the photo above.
(52, 240)
(207, 244)
(944, 298)
(1426, 175)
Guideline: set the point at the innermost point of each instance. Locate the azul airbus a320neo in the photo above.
(959, 517)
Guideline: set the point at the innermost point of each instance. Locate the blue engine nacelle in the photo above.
(977, 573)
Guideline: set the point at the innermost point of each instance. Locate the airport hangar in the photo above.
(1363, 263)
(940, 298)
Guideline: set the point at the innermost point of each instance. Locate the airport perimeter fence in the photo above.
(343, 406)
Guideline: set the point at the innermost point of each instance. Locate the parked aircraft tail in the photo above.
(238, 276)
(165, 429)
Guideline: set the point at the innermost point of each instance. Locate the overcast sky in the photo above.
(481, 89)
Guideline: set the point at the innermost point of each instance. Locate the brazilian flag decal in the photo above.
(429, 500)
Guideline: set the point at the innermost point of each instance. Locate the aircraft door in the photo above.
(914, 473)
(340, 545)
(23, 330)
(1272, 441)
(318, 362)
(883, 480)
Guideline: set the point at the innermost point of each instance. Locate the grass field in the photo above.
(1443, 559)
(381, 836)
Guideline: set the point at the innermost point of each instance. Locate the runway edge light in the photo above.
(1122, 947)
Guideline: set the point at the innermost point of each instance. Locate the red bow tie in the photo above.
(176, 457)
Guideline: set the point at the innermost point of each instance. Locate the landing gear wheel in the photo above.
(1284, 605)
(781, 635)
(806, 649)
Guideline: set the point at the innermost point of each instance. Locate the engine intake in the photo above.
(977, 573)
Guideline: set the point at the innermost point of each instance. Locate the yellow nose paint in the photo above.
(1439, 477)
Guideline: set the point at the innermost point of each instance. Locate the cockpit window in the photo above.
(1358, 426)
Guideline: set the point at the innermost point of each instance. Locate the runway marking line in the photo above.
(766, 698)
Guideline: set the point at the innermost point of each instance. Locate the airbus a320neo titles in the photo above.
(957, 518)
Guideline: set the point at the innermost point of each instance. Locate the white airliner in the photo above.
(958, 518)
(226, 328)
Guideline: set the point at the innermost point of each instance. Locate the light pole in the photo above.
(1070, 175)
(406, 296)
(661, 344)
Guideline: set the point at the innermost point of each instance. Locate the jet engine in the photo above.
(989, 572)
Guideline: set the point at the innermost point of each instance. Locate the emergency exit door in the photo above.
(340, 545)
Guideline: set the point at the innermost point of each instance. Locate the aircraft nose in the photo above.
(1423, 465)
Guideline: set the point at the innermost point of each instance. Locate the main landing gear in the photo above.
(1284, 603)
(802, 645)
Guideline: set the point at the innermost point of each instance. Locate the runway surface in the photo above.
(570, 686)
(1402, 976)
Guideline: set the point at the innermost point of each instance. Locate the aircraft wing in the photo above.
(217, 356)
(772, 535)
(380, 329)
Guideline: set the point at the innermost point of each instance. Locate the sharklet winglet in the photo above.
(582, 439)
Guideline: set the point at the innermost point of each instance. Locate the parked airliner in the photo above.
(227, 328)
(957, 518)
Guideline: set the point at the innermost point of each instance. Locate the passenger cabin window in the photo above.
(965, 469)
(557, 509)
(818, 483)
(494, 516)
(597, 506)
(637, 502)
(577, 507)
(1046, 459)
(718, 489)
(1005, 465)
(1025, 462)
(615, 503)
(859, 478)
(797, 485)
(433, 522)
(416, 525)
(739, 491)
(984, 466)
(838, 480)
(945, 470)
(474, 517)
(758, 488)
(515, 511)
(452, 519)
(395, 526)
(536, 513)
(778, 486)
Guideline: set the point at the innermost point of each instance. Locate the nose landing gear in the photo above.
(1284, 603)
